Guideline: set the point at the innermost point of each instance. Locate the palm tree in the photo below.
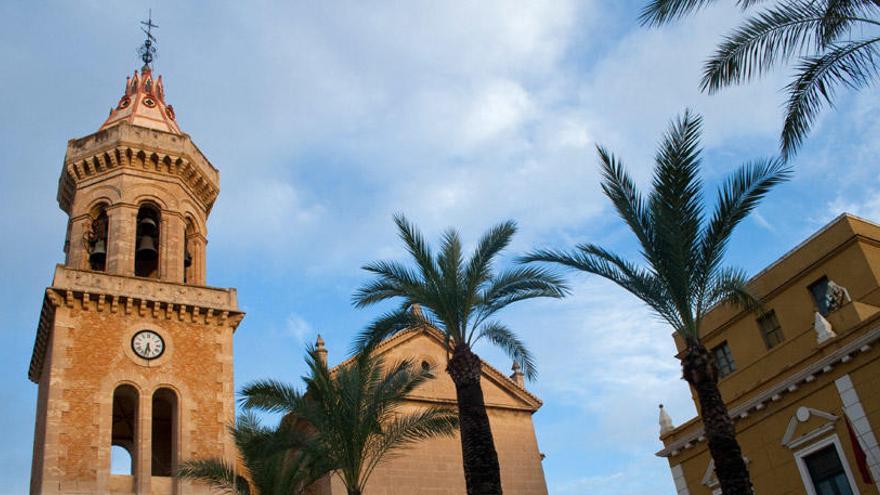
(277, 461)
(683, 251)
(354, 412)
(460, 299)
(837, 42)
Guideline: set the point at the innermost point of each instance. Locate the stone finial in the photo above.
(666, 425)
(321, 350)
(517, 375)
(823, 329)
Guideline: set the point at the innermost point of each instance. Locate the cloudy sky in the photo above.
(325, 118)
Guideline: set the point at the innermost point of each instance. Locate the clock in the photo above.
(147, 344)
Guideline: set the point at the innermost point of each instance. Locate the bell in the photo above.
(147, 248)
(98, 253)
(147, 226)
(187, 259)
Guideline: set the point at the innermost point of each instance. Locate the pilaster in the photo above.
(121, 239)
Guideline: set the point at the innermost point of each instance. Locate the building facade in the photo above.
(133, 351)
(435, 466)
(802, 380)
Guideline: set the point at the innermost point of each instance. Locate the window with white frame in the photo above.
(825, 470)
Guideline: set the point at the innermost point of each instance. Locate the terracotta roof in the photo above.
(143, 104)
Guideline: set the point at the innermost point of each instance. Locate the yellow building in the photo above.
(802, 382)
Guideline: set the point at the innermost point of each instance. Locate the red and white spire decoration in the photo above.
(143, 101)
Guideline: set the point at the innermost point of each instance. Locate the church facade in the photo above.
(802, 380)
(435, 466)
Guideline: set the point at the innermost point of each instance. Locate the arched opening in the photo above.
(164, 456)
(120, 460)
(189, 249)
(124, 430)
(146, 256)
(96, 238)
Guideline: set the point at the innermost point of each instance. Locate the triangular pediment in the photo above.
(807, 424)
(426, 344)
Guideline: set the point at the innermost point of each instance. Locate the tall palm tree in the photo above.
(683, 276)
(460, 299)
(354, 412)
(277, 461)
(836, 41)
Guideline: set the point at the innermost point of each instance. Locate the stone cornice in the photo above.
(125, 146)
(101, 292)
(775, 393)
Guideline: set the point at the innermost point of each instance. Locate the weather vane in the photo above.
(148, 51)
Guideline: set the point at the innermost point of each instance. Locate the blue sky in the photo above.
(325, 118)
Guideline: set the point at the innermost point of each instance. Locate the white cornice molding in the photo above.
(789, 385)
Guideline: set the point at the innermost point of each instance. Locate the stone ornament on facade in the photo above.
(836, 296)
(666, 425)
(823, 328)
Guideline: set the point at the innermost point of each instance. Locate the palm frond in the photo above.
(394, 280)
(840, 15)
(659, 12)
(387, 325)
(853, 64)
(219, 475)
(418, 248)
(677, 211)
(730, 285)
(639, 282)
(479, 268)
(500, 335)
(765, 39)
(270, 396)
(404, 430)
(619, 187)
(737, 197)
(518, 284)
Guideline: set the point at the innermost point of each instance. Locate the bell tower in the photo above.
(133, 352)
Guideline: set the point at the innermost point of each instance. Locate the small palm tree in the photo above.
(684, 276)
(354, 412)
(460, 299)
(276, 461)
(837, 42)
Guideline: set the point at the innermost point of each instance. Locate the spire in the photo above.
(517, 375)
(143, 99)
(666, 425)
(321, 350)
(148, 51)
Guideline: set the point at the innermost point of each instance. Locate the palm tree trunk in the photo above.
(482, 473)
(730, 468)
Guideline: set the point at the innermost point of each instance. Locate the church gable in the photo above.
(426, 345)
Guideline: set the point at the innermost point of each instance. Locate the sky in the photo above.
(326, 118)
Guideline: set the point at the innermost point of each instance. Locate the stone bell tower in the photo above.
(133, 353)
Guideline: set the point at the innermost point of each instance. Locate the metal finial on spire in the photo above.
(148, 51)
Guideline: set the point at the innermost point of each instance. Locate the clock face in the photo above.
(147, 344)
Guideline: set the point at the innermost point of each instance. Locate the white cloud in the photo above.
(297, 327)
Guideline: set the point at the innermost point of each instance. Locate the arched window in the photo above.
(164, 456)
(124, 430)
(96, 238)
(146, 256)
(120, 461)
(189, 249)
